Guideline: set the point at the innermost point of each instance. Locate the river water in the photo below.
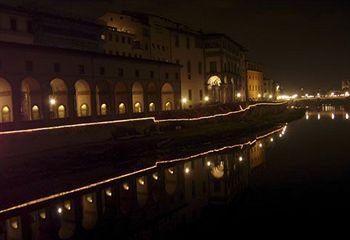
(295, 178)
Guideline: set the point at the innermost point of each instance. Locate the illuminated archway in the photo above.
(137, 97)
(61, 111)
(102, 97)
(31, 99)
(83, 98)
(58, 97)
(121, 108)
(5, 101)
(168, 96)
(142, 191)
(214, 83)
(103, 109)
(137, 108)
(152, 107)
(5, 114)
(121, 97)
(168, 106)
(84, 110)
(35, 113)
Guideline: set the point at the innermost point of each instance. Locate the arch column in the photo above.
(46, 91)
(93, 99)
(72, 109)
(112, 107)
(16, 101)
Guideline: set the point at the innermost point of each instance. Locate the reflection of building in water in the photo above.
(168, 195)
(256, 155)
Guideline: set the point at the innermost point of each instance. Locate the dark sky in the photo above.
(300, 43)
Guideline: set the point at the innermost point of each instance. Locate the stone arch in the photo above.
(214, 86)
(168, 97)
(31, 103)
(89, 210)
(82, 98)
(103, 102)
(58, 97)
(121, 97)
(5, 101)
(142, 190)
(137, 97)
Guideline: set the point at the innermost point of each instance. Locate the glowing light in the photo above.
(42, 214)
(239, 95)
(52, 101)
(318, 94)
(89, 198)
(347, 116)
(108, 192)
(271, 139)
(280, 135)
(126, 186)
(240, 158)
(307, 116)
(333, 116)
(67, 205)
(155, 176)
(184, 100)
(171, 171)
(14, 223)
(270, 96)
(187, 170)
(318, 116)
(347, 94)
(208, 163)
(259, 95)
(206, 99)
(260, 145)
(141, 181)
(59, 210)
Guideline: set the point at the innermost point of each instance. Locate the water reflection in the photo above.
(327, 112)
(168, 195)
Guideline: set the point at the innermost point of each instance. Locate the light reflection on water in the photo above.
(182, 187)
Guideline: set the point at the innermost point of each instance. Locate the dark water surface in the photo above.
(303, 185)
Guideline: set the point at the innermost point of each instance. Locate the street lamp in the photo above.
(206, 99)
(238, 95)
(52, 101)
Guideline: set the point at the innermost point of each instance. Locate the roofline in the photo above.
(227, 37)
(87, 53)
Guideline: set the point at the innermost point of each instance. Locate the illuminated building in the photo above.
(254, 81)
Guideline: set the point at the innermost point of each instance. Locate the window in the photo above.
(200, 67)
(120, 72)
(57, 67)
(6, 114)
(137, 73)
(152, 107)
(190, 94)
(188, 43)
(151, 74)
(177, 41)
(103, 109)
(61, 111)
(81, 69)
(29, 66)
(102, 71)
(213, 67)
(13, 24)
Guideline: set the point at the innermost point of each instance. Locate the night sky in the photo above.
(300, 43)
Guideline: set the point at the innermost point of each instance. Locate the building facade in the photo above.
(42, 83)
(255, 81)
(269, 88)
(225, 69)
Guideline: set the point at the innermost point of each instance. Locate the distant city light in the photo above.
(187, 170)
(240, 158)
(333, 116)
(206, 99)
(270, 96)
(271, 139)
(259, 95)
(347, 116)
(239, 95)
(184, 100)
(347, 94)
